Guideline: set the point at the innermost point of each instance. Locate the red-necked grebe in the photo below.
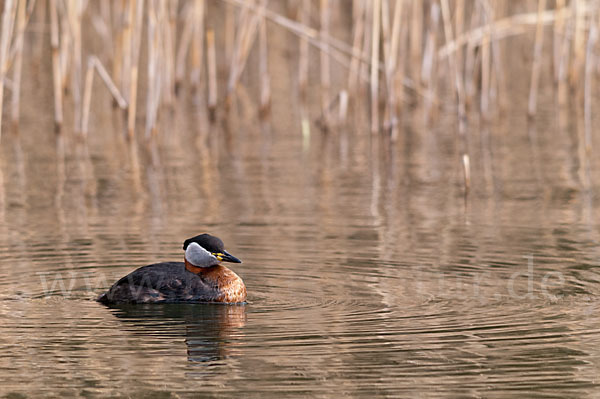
(200, 278)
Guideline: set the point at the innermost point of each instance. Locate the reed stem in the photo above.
(56, 70)
(182, 50)
(5, 36)
(485, 74)
(197, 44)
(537, 60)
(18, 63)
(303, 56)
(74, 12)
(578, 41)
(137, 8)
(87, 97)
(325, 13)
(95, 64)
(375, 66)
(211, 58)
(265, 81)
(358, 37)
(453, 62)
(590, 59)
(416, 36)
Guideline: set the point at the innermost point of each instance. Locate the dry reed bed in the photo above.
(399, 50)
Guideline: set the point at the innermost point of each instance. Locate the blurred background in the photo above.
(411, 186)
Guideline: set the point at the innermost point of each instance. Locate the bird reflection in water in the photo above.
(208, 328)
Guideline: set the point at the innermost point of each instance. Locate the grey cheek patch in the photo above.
(199, 256)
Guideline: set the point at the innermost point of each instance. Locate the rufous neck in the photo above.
(191, 268)
(195, 269)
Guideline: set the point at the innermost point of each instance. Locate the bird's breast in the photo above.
(229, 286)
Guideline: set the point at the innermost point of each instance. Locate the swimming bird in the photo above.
(199, 278)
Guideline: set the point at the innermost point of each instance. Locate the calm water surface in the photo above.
(369, 273)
